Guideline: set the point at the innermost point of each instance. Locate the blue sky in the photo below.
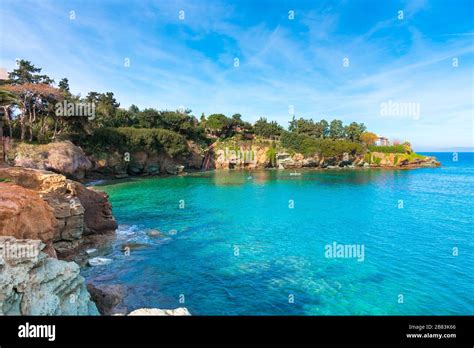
(284, 64)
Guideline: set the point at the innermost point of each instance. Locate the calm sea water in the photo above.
(238, 249)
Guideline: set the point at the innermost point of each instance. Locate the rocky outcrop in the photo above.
(98, 217)
(399, 160)
(59, 157)
(346, 160)
(31, 283)
(108, 298)
(160, 312)
(78, 210)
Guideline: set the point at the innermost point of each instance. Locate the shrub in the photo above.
(129, 139)
(368, 158)
(327, 147)
(271, 155)
(388, 149)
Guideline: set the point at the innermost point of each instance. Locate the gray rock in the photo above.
(108, 298)
(31, 283)
(310, 162)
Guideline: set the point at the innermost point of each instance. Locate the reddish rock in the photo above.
(25, 215)
(98, 216)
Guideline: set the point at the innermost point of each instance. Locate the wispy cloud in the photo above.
(283, 62)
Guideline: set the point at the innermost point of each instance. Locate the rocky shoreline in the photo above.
(71, 161)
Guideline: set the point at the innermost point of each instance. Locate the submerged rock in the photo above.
(31, 283)
(155, 311)
(155, 233)
(99, 261)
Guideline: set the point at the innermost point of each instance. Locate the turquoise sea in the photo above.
(232, 244)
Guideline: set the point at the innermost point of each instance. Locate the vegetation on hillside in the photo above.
(29, 104)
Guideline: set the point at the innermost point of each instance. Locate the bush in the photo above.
(130, 139)
(271, 155)
(388, 149)
(326, 147)
(368, 158)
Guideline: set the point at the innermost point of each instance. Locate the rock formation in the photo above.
(60, 157)
(31, 283)
(108, 298)
(77, 209)
(25, 215)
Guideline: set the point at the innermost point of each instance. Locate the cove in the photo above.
(281, 251)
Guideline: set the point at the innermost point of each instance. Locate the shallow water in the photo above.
(237, 248)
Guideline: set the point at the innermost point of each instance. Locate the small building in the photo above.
(382, 141)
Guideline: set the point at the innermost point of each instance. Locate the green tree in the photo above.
(134, 109)
(27, 73)
(63, 86)
(267, 129)
(325, 128)
(106, 107)
(336, 129)
(354, 131)
(219, 125)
